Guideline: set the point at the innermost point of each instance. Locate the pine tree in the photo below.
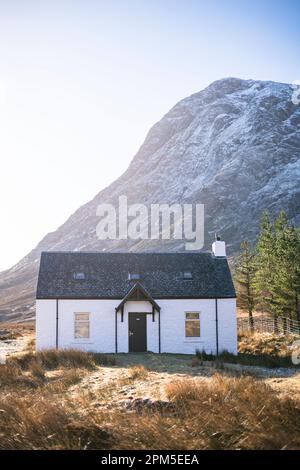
(287, 275)
(280, 301)
(245, 271)
(265, 262)
(277, 276)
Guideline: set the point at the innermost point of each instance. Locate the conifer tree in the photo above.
(265, 261)
(245, 272)
(277, 262)
(287, 274)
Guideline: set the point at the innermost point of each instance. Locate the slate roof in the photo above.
(106, 275)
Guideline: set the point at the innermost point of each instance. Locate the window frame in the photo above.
(134, 276)
(187, 275)
(76, 321)
(192, 338)
(79, 276)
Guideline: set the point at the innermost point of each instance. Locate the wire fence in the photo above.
(263, 324)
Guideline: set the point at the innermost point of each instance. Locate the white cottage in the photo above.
(136, 302)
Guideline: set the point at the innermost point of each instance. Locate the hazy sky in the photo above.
(81, 82)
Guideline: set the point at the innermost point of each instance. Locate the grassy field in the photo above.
(75, 400)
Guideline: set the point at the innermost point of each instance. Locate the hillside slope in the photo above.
(235, 147)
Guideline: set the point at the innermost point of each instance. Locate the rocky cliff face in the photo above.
(235, 147)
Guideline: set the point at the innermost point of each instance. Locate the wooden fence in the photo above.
(266, 324)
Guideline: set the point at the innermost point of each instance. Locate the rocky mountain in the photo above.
(234, 146)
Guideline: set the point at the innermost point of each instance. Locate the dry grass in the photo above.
(266, 344)
(246, 359)
(37, 370)
(17, 329)
(39, 410)
(31, 345)
(29, 370)
(221, 413)
(135, 373)
(258, 349)
(138, 373)
(17, 381)
(46, 424)
(239, 413)
(8, 373)
(6, 335)
(12, 377)
(68, 358)
(62, 383)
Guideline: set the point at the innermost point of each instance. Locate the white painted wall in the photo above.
(45, 324)
(227, 325)
(173, 338)
(102, 326)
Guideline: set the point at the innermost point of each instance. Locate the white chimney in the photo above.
(219, 247)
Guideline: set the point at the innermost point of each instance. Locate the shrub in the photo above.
(11, 375)
(8, 373)
(37, 370)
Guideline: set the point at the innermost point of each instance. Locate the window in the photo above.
(133, 276)
(192, 325)
(187, 275)
(82, 325)
(79, 276)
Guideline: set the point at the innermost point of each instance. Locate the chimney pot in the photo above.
(219, 248)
